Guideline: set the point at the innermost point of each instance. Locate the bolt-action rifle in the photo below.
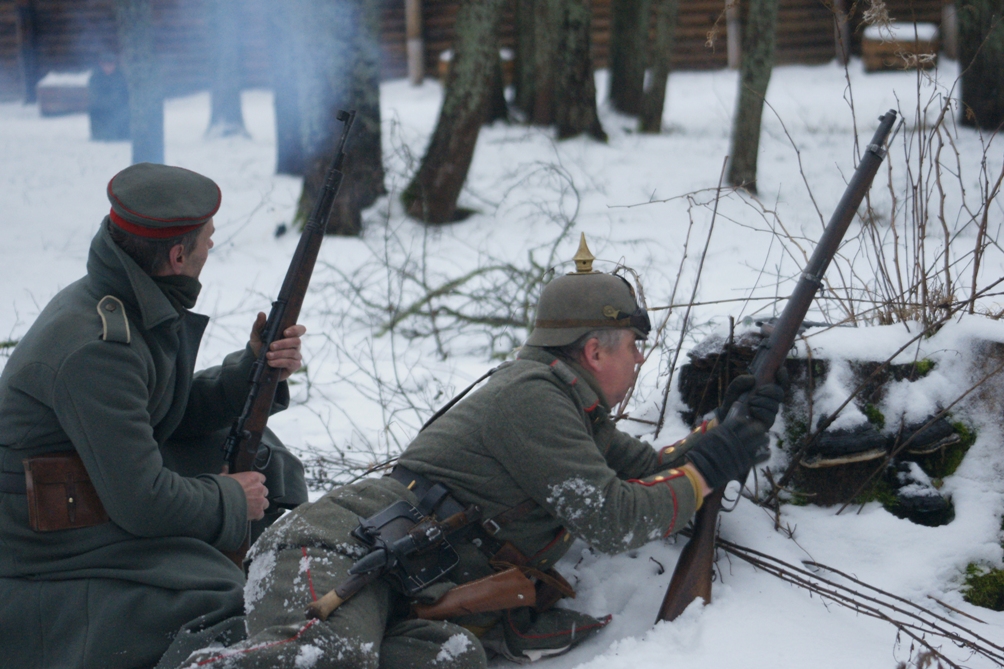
(241, 446)
(692, 576)
(425, 536)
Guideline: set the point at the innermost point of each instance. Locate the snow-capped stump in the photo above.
(844, 463)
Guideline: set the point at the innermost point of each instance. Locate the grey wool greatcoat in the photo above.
(114, 594)
(538, 431)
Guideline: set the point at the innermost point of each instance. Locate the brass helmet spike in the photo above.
(583, 257)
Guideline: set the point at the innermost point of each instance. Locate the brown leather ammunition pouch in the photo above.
(507, 589)
(60, 494)
(551, 586)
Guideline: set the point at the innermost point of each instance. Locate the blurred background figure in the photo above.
(108, 100)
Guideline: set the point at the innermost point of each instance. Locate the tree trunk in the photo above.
(524, 70)
(628, 53)
(981, 57)
(654, 100)
(146, 99)
(27, 53)
(226, 118)
(546, 20)
(432, 194)
(286, 66)
(575, 106)
(754, 75)
(341, 71)
(497, 109)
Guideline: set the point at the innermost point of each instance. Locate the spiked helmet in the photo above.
(575, 304)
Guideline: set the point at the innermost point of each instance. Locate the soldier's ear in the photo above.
(591, 354)
(176, 258)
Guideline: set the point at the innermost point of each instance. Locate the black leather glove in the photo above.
(763, 403)
(728, 451)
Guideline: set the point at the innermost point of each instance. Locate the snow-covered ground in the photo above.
(363, 396)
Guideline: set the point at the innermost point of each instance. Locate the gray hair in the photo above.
(607, 338)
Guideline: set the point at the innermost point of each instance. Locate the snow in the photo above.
(65, 79)
(363, 397)
(902, 32)
(453, 648)
(307, 656)
(260, 575)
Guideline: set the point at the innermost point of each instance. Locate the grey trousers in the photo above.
(299, 559)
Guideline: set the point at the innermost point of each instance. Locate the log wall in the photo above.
(72, 32)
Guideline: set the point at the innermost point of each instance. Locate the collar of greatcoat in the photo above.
(114, 272)
(572, 374)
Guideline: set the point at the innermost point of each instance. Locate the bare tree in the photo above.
(341, 70)
(628, 53)
(226, 26)
(654, 98)
(981, 55)
(554, 67)
(754, 75)
(432, 194)
(524, 67)
(27, 52)
(146, 98)
(575, 106)
(285, 75)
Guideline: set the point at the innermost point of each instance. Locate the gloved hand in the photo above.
(728, 451)
(762, 403)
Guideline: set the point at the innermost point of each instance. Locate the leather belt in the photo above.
(13, 484)
(432, 497)
(436, 497)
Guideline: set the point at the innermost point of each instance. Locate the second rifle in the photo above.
(692, 576)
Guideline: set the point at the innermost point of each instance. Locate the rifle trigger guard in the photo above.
(260, 462)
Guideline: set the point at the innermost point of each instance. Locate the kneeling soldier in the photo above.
(535, 453)
(113, 508)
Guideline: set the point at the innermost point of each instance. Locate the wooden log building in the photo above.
(67, 35)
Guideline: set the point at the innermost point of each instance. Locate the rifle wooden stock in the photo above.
(692, 576)
(241, 447)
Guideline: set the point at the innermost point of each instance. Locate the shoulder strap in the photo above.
(460, 396)
(114, 323)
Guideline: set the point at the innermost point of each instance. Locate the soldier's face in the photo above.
(614, 369)
(193, 262)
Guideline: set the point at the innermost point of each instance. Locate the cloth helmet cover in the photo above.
(575, 304)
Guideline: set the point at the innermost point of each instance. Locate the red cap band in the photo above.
(152, 233)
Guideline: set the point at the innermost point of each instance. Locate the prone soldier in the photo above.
(113, 508)
(536, 455)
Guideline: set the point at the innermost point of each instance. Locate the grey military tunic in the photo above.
(112, 595)
(538, 430)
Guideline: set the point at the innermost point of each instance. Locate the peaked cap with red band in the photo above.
(160, 201)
